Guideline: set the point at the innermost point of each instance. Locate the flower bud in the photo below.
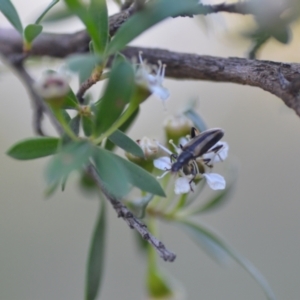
(150, 149)
(52, 87)
(177, 127)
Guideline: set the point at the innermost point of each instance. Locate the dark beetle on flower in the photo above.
(199, 144)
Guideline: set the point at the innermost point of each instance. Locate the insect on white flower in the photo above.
(187, 167)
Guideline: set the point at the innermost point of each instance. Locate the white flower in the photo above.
(218, 156)
(183, 184)
(153, 82)
(215, 181)
(149, 146)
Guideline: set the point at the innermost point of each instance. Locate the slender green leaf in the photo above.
(142, 179)
(109, 145)
(139, 207)
(117, 94)
(39, 19)
(58, 13)
(220, 250)
(72, 157)
(34, 148)
(95, 265)
(10, 12)
(111, 172)
(98, 27)
(158, 284)
(196, 119)
(71, 101)
(282, 34)
(74, 124)
(31, 31)
(87, 125)
(83, 64)
(123, 141)
(153, 13)
(95, 18)
(215, 201)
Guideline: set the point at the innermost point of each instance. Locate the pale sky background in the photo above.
(44, 243)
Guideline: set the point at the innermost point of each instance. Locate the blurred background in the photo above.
(44, 242)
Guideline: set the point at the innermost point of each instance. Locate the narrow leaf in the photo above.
(83, 64)
(123, 141)
(111, 172)
(98, 26)
(95, 265)
(215, 201)
(142, 179)
(39, 19)
(95, 18)
(31, 31)
(196, 119)
(34, 148)
(71, 101)
(153, 13)
(117, 94)
(87, 125)
(10, 12)
(109, 145)
(220, 250)
(75, 126)
(72, 157)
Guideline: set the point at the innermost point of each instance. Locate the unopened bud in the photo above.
(177, 127)
(150, 149)
(52, 87)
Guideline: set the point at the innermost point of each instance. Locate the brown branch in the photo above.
(258, 73)
(133, 222)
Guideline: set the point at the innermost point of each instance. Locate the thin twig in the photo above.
(39, 106)
(134, 223)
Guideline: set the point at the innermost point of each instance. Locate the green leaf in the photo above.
(140, 178)
(111, 172)
(9, 11)
(220, 251)
(84, 64)
(109, 145)
(31, 31)
(123, 141)
(95, 265)
(58, 13)
(39, 19)
(34, 148)
(215, 201)
(158, 285)
(153, 13)
(117, 94)
(72, 157)
(95, 18)
(71, 101)
(139, 207)
(282, 34)
(196, 119)
(75, 126)
(88, 125)
(98, 26)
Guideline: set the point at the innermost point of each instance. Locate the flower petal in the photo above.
(220, 155)
(162, 163)
(215, 181)
(182, 186)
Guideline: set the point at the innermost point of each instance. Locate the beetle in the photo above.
(199, 144)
